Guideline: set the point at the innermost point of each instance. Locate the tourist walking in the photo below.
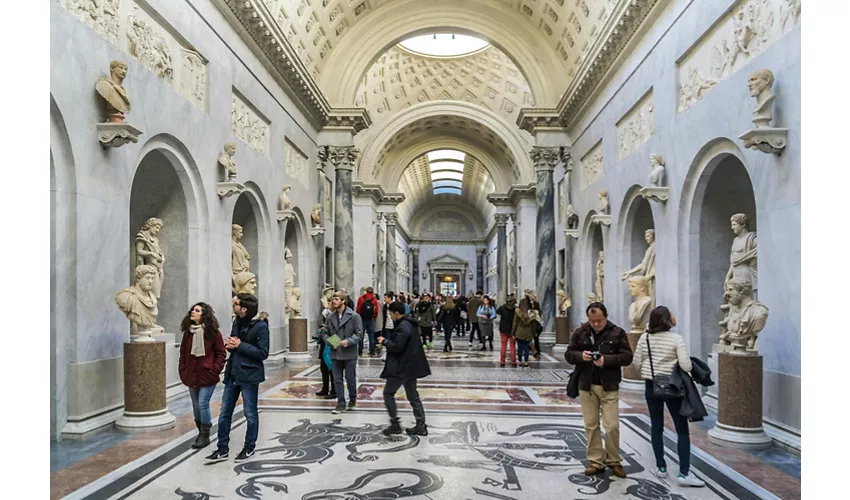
(425, 317)
(506, 334)
(522, 329)
(486, 315)
(472, 306)
(344, 331)
(367, 308)
(450, 317)
(387, 326)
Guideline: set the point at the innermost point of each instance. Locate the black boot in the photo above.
(491, 344)
(198, 437)
(394, 428)
(483, 346)
(203, 439)
(420, 430)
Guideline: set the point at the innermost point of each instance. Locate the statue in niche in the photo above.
(647, 265)
(293, 304)
(743, 259)
(314, 215)
(642, 305)
(600, 277)
(245, 282)
(746, 317)
(327, 293)
(760, 83)
(289, 275)
(138, 303)
(226, 160)
(564, 302)
(240, 258)
(656, 177)
(572, 217)
(149, 253)
(113, 92)
(603, 202)
(285, 202)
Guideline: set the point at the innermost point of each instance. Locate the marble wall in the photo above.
(697, 144)
(92, 189)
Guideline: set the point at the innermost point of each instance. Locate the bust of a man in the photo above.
(314, 215)
(760, 83)
(112, 90)
(226, 160)
(572, 218)
(656, 162)
(640, 308)
(285, 202)
(138, 302)
(746, 317)
(245, 282)
(327, 293)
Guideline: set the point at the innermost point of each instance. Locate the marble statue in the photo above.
(314, 215)
(746, 317)
(289, 276)
(744, 255)
(603, 202)
(138, 303)
(240, 258)
(113, 92)
(327, 293)
(285, 202)
(564, 302)
(600, 277)
(760, 83)
(642, 305)
(293, 304)
(657, 175)
(572, 218)
(149, 253)
(226, 160)
(647, 265)
(245, 282)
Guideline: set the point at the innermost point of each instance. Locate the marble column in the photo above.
(479, 268)
(392, 264)
(381, 286)
(501, 257)
(343, 159)
(414, 256)
(545, 159)
(319, 240)
(514, 279)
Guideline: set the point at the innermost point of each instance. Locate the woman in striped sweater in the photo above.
(667, 349)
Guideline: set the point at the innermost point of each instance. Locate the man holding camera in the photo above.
(598, 349)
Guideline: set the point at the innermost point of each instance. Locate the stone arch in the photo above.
(63, 266)
(517, 145)
(251, 212)
(718, 185)
(635, 218)
(495, 22)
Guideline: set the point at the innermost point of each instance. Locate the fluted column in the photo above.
(392, 264)
(512, 263)
(343, 159)
(545, 159)
(501, 256)
(479, 268)
(414, 257)
(319, 240)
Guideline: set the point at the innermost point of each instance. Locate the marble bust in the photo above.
(603, 202)
(138, 303)
(285, 202)
(640, 308)
(572, 218)
(327, 293)
(760, 83)
(245, 282)
(647, 265)
(746, 317)
(148, 251)
(314, 215)
(657, 175)
(226, 160)
(111, 89)
(240, 258)
(743, 258)
(564, 302)
(293, 304)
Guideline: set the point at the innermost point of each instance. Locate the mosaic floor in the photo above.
(312, 456)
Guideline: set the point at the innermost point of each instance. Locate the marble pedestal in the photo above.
(632, 379)
(739, 404)
(145, 409)
(562, 334)
(229, 188)
(115, 135)
(297, 340)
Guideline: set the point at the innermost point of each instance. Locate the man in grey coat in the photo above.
(348, 327)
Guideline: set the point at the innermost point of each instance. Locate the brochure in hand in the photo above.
(334, 341)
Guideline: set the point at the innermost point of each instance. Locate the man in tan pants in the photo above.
(598, 349)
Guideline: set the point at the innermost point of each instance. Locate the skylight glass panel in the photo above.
(444, 45)
(446, 174)
(447, 190)
(446, 183)
(446, 154)
(446, 165)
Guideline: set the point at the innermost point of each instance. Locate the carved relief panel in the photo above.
(102, 16)
(249, 125)
(636, 127)
(296, 163)
(591, 165)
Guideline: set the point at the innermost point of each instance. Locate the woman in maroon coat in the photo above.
(202, 357)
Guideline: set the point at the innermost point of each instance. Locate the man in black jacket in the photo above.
(406, 362)
(599, 349)
(249, 347)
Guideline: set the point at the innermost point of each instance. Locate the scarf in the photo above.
(197, 340)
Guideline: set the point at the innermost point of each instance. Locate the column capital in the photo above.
(391, 218)
(322, 156)
(343, 157)
(546, 157)
(413, 251)
(480, 251)
(513, 218)
(502, 219)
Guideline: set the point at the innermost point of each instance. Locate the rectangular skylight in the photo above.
(446, 154)
(446, 174)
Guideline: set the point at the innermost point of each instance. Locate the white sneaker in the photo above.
(662, 473)
(690, 480)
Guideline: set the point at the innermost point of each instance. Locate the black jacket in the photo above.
(405, 355)
(506, 317)
(615, 349)
(245, 364)
(692, 405)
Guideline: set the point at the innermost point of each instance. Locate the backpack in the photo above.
(367, 310)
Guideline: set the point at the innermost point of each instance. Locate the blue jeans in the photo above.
(369, 326)
(523, 348)
(656, 415)
(347, 367)
(201, 402)
(249, 407)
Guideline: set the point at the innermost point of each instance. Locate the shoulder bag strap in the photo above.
(649, 349)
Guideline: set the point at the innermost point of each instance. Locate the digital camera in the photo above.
(595, 355)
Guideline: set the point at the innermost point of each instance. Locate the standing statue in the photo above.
(657, 174)
(564, 302)
(112, 90)
(642, 305)
(245, 282)
(760, 83)
(647, 265)
(226, 160)
(289, 276)
(149, 253)
(285, 202)
(746, 317)
(600, 277)
(744, 255)
(314, 215)
(603, 202)
(239, 256)
(138, 303)
(572, 218)
(293, 304)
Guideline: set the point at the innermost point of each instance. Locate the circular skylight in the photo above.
(444, 45)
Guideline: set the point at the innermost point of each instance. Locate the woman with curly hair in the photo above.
(202, 357)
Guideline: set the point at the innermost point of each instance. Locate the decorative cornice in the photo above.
(514, 194)
(376, 192)
(536, 119)
(447, 241)
(355, 119)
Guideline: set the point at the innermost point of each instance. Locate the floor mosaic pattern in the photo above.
(315, 455)
(464, 374)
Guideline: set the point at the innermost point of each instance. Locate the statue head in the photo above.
(317, 207)
(246, 282)
(601, 255)
(638, 286)
(602, 194)
(236, 231)
(152, 225)
(230, 148)
(287, 254)
(296, 292)
(655, 159)
(570, 209)
(760, 80)
(285, 188)
(143, 277)
(118, 69)
(738, 289)
(561, 293)
(739, 223)
(649, 235)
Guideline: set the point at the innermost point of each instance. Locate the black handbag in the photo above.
(661, 386)
(572, 384)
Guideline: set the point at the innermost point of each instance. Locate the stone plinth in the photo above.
(297, 340)
(285, 215)
(572, 233)
(767, 139)
(655, 193)
(115, 135)
(144, 388)
(739, 402)
(631, 373)
(562, 334)
(601, 219)
(229, 188)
